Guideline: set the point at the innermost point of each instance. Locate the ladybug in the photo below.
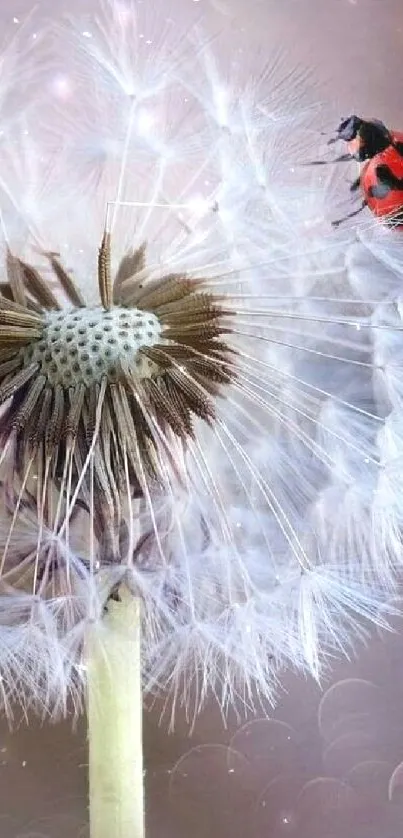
(380, 154)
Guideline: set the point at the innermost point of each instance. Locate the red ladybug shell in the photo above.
(392, 203)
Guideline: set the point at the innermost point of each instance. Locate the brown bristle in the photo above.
(130, 266)
(67, 283)
(34, 283)
(15, 278)
(104, 272)
(169, 289)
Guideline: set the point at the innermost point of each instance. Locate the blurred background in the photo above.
(327, 761)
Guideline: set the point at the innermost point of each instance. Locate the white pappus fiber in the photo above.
(260, 524)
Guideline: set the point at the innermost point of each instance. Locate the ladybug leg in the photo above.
(355, 184)
(343, 158)
(350, 215)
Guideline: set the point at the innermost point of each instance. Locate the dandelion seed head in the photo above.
(85, 345)
(151, 349)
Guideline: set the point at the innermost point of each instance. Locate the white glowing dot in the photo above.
(16, 20)
(145, 121)
(61, 86)
(198, 205)
(148, 42)
(24, 762)
(86, 34)
(34, 36)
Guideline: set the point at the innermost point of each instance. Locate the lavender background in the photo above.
(327, 762)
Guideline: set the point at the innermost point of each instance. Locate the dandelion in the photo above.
(197, 421)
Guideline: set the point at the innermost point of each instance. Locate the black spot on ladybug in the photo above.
(388, 179)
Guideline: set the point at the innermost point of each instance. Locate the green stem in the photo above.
(115, 722)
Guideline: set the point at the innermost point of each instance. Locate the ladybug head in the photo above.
(366, 137)
(349, 128)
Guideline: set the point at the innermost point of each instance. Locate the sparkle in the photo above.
(146, 120)
(62, 86)
(199, 206)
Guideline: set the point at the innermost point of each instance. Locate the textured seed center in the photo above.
(87, 344)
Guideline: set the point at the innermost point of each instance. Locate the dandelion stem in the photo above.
(115, 722)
